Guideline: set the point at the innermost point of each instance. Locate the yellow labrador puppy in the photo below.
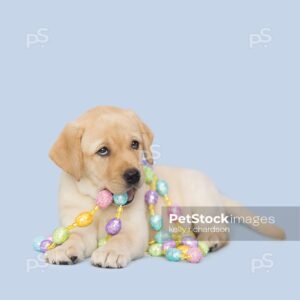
(103, 149)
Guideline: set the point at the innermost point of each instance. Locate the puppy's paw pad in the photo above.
(109, 259)
(64, 255)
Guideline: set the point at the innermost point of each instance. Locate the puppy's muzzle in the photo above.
(132, 176)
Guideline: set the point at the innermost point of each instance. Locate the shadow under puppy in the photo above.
(103, 149)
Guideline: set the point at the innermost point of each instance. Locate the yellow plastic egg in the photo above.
(84, 219)
(184, 249)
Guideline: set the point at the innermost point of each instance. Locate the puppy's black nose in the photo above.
(132, 176)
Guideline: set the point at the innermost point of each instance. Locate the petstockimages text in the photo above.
(221, 219)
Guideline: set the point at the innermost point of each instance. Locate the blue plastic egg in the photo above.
(162, 187)
(162, 236)
(156, 222)
(120, 199)
(173, 254)
(37, 243)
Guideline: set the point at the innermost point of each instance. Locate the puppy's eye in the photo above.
(135, 145)
(103, 151)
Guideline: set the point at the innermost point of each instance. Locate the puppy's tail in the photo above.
(237, 210)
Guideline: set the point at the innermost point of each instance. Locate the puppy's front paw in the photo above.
(107, 257)
(65, 254)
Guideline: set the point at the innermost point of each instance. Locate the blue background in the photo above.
(214, 103)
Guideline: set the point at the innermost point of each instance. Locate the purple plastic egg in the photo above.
(44, 245)
(175, 210)
(189, 241)
(151, 197)
(168, 244)
(113, 226)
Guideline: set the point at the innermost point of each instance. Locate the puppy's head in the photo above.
(105, 146)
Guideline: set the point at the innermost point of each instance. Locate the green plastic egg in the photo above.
(203, 247)
(149, 174)
(102, 242)
(60, 235)
(155, 249)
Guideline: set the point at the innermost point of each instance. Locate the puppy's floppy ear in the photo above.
(147, 137)
(66, 151)
(147, 141)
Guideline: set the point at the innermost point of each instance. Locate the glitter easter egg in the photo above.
(168, 244)
(120, 199)
(162, 187)
(151, 197)
(102, 242)
(84, 219)
(203, 247)
(189, 241)
(183, 248)
(174, 210)
(155, 249)
(173, 254)
(104, 199)
(156, 222)
(44, 245)
(194, 255)
(60, 235)
(37, 242)
(149, 174)
(113, 227)
(162, 236)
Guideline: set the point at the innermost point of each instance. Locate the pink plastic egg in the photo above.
(194, 255)
(104, 199)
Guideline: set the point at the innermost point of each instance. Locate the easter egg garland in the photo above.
(174, 248)
(164, 243)
(113, 227)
